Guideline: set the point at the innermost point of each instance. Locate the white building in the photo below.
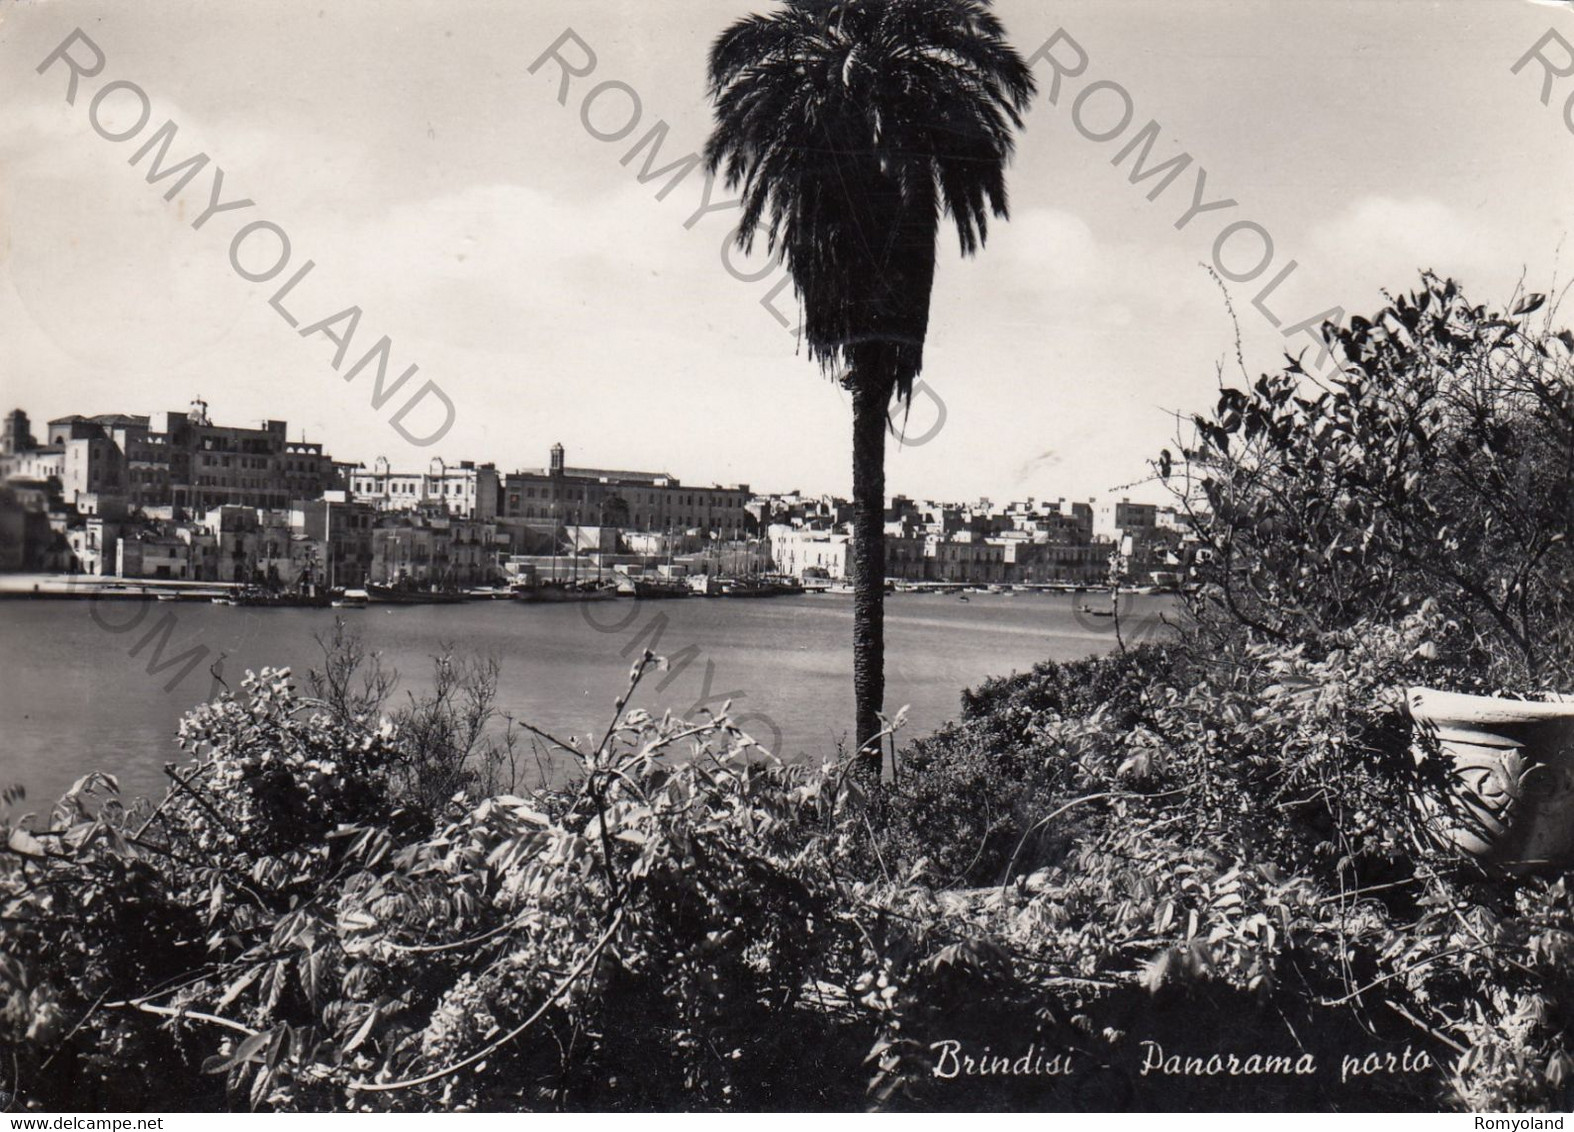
(809, 554)
(468, 490)
(35, 464)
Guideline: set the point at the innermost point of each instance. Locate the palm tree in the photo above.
(851, 126)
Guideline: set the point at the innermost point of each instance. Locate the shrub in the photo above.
(688, 924)
(965, 796)
(1241, 863)
(1437, 462)
(281, 925)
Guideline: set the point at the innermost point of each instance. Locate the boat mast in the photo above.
(328, 537)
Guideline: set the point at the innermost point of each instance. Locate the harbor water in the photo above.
(85, 690)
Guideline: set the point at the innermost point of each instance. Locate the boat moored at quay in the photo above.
(404, 594)
(657, 589)
(563, 591)
(763, 585)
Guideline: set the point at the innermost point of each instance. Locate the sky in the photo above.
(434, 181)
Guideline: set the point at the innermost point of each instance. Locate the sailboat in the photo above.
(557, 589)
(406, 592)
(661, 586)
(588, 590)
(656, 589)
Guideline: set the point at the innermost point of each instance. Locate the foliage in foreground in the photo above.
(1253, 825)
(1437, 462)
(1214, 860)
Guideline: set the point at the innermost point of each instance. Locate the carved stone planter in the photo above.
(1513, 775)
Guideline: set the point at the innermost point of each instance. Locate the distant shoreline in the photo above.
(110, 588)
(93, 586)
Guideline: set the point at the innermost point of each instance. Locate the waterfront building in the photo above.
(186, 462)
(336, 535)
(150, 554)
(1037, 562)
(979, 563)
(561, 496)
(94, 545)
(467, 489)
(810, 553)
(434, 550)
(520, 536)
(908, 556)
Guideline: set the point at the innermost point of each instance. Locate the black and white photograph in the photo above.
(786, 556)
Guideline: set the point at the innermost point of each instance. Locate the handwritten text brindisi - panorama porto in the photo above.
(954, 1059)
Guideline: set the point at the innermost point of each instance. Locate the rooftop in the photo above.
(608, 474)
(108, 420)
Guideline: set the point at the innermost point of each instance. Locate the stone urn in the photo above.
(1512, 771)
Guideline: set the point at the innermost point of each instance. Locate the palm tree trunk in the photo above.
(868, 568)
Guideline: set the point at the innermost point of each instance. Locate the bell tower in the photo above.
(18, 435)
(555, 468)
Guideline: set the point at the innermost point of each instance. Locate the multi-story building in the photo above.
(1062, 562)
(468, 490)
(94, 545)
(561, 496)
(435, 549)
(807, 553)
(973, 562)
(340, 532)
(1114, 521)
(41, 463)
(186, 462)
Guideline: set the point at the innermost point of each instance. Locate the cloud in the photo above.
(1381, 241)
(1042, 462)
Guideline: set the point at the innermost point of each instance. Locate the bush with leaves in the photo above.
(964, 797)
(1226, 858)
(1244, 832)
(447, 740)
(1230, 853)
(1437, 462)
(283, 927)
